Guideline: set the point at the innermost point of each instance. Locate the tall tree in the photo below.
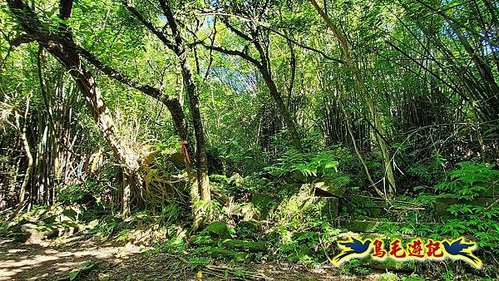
(201, 193)
(255, 35)
(61, 46)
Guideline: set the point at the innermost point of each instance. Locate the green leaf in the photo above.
(73, 275)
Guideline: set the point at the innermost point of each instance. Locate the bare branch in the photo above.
(241, 54)
(290, 39)
(161, 36)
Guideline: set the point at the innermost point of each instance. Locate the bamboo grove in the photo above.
(150, 98)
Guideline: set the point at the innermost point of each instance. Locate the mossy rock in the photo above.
(329, 206)
(366, 226)
(247, 229)
(50, 220)
(296, 204)
(331, 189)
(69, 214)
(391, 264)
(218, 229)
(246, 210)
(300, 253)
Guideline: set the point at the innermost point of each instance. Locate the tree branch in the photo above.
(173, 27)
(289, 38)
(161, 36)
(233, 53)
(237, 31)
(24, 39)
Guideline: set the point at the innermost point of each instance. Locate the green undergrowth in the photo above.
(462, 204)
(277, 215)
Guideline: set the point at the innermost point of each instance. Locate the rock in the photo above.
(219, 229)
(263, 203)
(223, 253)
(132, 248)
(330, 189)
(367, 226)
(248, 229)
(236, 179)
(329, 206)
(246, 210)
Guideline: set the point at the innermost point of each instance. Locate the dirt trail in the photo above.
(20, 261)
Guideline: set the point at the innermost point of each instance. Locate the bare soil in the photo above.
(104, 261)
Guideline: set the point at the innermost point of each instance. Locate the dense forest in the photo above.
(242, 139)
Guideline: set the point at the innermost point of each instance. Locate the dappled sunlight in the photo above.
(12, 251)
(249, 140)
(35, 262)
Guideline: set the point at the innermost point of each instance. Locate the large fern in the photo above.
(470, 180)
(310, 165)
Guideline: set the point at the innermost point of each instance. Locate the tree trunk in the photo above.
(127, 158)
(263, 66)
(29, 168)
(70, 58)
(200, 194)
(276, 95)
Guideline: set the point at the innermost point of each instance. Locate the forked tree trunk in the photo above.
(128, 159)
(201, 194)
(200, 185)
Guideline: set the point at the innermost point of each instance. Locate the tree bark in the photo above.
(70, 58)
(201, 210)
(276, 95)
(200, 191)
(172, 103)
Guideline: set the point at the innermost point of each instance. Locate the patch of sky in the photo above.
(239, 82)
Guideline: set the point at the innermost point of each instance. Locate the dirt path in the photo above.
(20, 261)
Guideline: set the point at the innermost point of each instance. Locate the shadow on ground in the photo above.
(22, 261)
